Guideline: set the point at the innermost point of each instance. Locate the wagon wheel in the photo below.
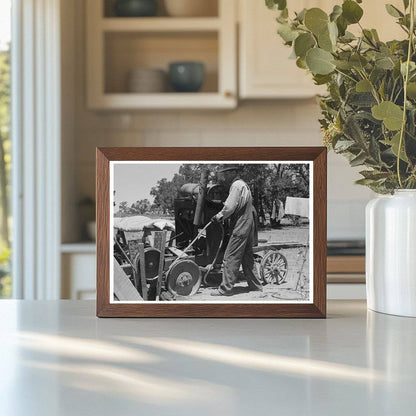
(273, 267)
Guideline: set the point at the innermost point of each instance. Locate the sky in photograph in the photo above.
(133, 182)
(5, 21)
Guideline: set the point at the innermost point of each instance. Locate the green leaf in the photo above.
(375, 35)
(336, 12)
(325, 43)
(347, 37)
(276, 4)
(411, 90)
(343, 65)
(364, 181)
(351, 11)
(286, 32)
(368, 36)
(363, 86)
(321, 79)
(391, 114)
(406, 4)
(374, 175)
(342, 25)
(393, 11)
(343, 145)
(385, 63)
(374, 150)
(394, 144)
(316, 20)
(319, 61)
(327, 40)
(300, 17)
(303, 43)
(361, 99)
(358, 160)
(301, 63)
(412, 67)
(358, 61)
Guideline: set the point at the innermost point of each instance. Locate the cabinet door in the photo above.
(265, 68)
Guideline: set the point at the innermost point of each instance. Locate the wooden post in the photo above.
(201, 198)
(160, 242)
(142, 271)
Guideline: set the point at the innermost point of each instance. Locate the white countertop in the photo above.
(58, 359)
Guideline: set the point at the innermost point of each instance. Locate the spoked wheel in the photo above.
(273, 268)
(184, 278)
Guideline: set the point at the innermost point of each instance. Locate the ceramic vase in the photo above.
(391, 253)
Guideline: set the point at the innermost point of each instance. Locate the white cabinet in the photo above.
(117, 45)
(78, 270)
(265, 70)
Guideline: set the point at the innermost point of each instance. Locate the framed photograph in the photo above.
(211, 232)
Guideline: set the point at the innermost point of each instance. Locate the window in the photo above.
(5, 145)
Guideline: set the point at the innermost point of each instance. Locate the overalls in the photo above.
(239, 250)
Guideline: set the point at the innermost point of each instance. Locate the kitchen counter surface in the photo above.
(57, 358)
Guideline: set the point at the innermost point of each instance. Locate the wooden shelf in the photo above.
(163, 101)
(159, 24)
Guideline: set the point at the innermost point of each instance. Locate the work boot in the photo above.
(216, 292)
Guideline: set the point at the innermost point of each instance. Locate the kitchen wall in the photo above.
(254, 123)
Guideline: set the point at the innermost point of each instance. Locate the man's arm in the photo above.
(231, 203)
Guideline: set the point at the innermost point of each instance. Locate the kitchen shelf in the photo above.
(166, 101)
(116, 46)
(159, 24)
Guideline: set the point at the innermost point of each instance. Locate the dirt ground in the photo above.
(271, 292)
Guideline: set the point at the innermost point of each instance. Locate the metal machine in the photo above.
(194, 253)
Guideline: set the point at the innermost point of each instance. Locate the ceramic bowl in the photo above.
(147, 80)
(135, 8)
(191, 8)
(186, 76)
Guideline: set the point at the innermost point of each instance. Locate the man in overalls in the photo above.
(239, 208)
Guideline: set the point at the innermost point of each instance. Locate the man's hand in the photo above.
(217, 218)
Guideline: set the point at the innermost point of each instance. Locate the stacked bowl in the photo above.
(147, 80)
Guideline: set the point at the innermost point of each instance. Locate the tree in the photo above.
(166, 191)
(123, 208)
(140, 207)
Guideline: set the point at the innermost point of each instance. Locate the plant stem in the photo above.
(406, 80)
(345, 75)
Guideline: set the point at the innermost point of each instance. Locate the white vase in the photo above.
(391, 253)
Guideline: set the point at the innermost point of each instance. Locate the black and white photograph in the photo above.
(209, 232)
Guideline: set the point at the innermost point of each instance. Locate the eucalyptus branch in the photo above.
(345, 75)
(406, 80)
(373, 89)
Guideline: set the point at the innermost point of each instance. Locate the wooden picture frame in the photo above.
(315, 308)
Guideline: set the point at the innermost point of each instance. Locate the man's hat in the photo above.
(227, 168)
